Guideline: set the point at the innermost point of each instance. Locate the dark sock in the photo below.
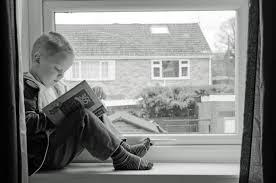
(138, 149)
(123, 160)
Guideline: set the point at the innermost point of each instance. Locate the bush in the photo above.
(182, 101)
(167, 102)
(220, 89)
(99, 92)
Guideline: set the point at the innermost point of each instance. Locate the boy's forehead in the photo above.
(61, 58)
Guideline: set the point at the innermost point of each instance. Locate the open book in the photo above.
(57, 110)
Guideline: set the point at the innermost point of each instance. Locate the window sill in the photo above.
(162, 172)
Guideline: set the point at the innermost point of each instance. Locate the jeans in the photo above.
(82, 129)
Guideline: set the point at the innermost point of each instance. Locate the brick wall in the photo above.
(134, 75)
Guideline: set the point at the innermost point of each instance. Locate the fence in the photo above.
(185, 125)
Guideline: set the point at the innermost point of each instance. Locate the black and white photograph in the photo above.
(138, 91)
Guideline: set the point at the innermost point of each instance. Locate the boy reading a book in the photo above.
(53, 146)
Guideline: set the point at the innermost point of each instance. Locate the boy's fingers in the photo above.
(81, 106)
(80, 102)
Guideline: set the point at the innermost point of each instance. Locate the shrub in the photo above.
(182, 101)
(99, 92)
(167, 102)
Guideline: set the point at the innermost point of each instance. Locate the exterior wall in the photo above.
(131, 76)
(216, 111)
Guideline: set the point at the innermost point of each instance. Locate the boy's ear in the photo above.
(37, 57)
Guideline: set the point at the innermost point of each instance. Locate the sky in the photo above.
(209, 21)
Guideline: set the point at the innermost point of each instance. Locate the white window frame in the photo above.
(100, 78)
(184, 65)
(190, 148)
(79, 68)
(88, 61)
(69, 73)
(159, 65)
(180, 77)
(111, 74)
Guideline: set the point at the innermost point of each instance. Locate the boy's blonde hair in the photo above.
(51, 43)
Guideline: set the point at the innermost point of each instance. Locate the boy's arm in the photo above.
(35, 121)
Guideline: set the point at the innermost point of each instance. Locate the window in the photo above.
(160, 80)
(91, 70)
(159, 30)
(170, 69)
(229, 125)
(76, 70)
(200, 139)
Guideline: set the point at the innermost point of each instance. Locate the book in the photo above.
(57, 110)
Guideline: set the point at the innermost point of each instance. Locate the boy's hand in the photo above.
(80, 104)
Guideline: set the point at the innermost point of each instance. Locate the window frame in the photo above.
(180, 77)
(71, 72)
(78, 68)
(80, 78)
(210, 147)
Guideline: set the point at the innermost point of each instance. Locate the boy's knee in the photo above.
(90, 114)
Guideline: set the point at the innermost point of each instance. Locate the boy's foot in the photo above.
(123, 160)
(138, 149)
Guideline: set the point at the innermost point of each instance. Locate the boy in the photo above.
(54, 147)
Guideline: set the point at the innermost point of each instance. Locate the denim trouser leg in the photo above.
(80, 130)
(110, 126)
(97, 138)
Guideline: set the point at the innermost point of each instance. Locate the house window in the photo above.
(104, 73)
(107, 70)
(159, 30)
(184, 68)
(170, 69)
(76, 70)
(91, 70)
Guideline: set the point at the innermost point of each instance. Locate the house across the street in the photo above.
(125, 58)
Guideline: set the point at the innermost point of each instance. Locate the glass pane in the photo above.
(75, 70)
(138, 103)
(105, 70)
(156, 72)
(90, 70)
(184, 62)
(170, 69)
(184, 71)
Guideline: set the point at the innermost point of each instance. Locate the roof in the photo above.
(138, 122)
(135, 39)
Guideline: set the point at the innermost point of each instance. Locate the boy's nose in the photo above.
(60, 75)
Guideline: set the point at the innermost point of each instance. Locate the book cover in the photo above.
(57, 110)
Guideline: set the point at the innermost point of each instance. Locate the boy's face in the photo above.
(50, 69)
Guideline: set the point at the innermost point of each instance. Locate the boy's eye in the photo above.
(59, 69)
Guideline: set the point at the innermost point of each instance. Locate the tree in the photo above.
(226, 38)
